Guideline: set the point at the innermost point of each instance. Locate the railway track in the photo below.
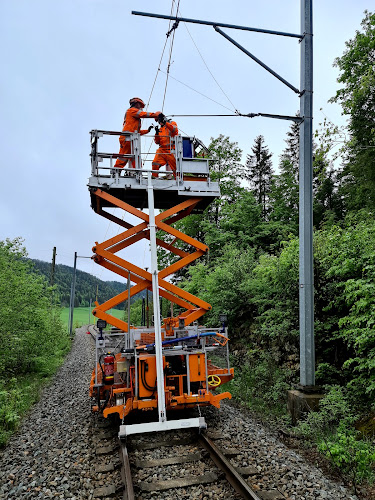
(178, 464)
(181, 464)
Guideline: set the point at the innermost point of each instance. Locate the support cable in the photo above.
(197, 91)
(297, 119)
(208, 69)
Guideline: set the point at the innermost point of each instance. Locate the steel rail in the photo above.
(126, 473)
(233, 477)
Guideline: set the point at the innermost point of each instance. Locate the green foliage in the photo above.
(239, 224)
(344, 259)
(29, 322)
(32, 339)
(16, 396)
(260, 383)
(225, 166)
(357, 98)
(327, 201)
(258, 172)
(224, 286)
(332, 430)
(284, 198)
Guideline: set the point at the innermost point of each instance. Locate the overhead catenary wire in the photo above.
(159, 67)
(161, 60)
(170, 31)
(170, 51)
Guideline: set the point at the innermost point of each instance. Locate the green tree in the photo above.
(259, 173)
(357, 98)
(224, 285)
(327, 200)
(30, 325)
(284, 198)
(291, 152)
(225, 168)
(239, 224)
(345, 277)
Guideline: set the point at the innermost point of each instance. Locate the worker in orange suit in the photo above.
(132, 123)
(165, 153)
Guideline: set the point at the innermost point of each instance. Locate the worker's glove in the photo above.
(161, 119)
(156, 130)
(150, 128)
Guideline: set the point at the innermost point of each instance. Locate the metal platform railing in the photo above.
(185, 165)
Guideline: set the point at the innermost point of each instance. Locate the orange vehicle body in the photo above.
(122, 399)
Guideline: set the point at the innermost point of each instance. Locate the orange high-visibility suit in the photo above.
(132, 123)
(165, 153)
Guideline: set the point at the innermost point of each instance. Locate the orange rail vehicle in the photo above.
(168, 365)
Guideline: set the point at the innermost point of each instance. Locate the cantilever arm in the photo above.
(230, 39)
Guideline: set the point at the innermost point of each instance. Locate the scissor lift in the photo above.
(173, 355)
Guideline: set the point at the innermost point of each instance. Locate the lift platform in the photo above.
(130, 185)
(167, 366)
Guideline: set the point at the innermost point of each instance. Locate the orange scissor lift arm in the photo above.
(105, 255)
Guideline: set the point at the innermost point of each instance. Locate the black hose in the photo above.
(143, 377)
(100, 357)
(107, 397)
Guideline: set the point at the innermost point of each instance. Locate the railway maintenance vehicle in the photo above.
(172, 364)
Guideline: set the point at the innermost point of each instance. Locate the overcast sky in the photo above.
(71, 66)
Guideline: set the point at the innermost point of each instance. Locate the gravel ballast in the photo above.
(53, 456)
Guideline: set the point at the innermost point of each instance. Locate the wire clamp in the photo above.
(250, 115)
(175, 26)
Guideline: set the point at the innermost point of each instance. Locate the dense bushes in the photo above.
(32, 340)
(333, 430)
(261, 298)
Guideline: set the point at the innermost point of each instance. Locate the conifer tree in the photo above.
(259, 173)
(285, 188)
(291, 152)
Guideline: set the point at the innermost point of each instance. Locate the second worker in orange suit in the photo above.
(132, 123)
(165, 153)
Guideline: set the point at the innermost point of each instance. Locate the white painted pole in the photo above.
(156, 303)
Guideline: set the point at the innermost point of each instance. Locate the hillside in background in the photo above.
(87, 286)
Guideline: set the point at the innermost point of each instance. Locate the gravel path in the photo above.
(52, 455)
